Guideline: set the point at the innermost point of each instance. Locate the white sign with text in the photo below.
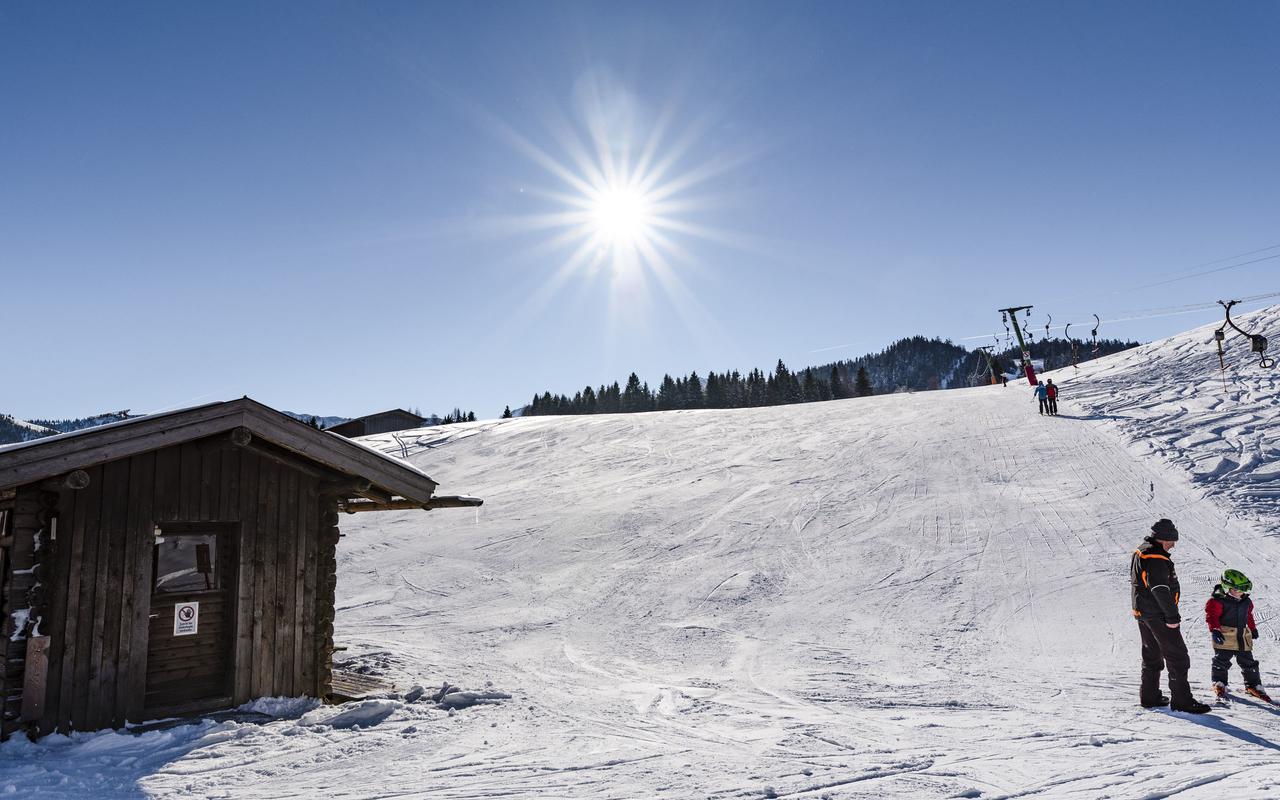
(186, 619)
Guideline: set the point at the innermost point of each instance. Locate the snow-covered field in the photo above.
(917, 596)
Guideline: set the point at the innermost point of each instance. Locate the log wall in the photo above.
(99, 608)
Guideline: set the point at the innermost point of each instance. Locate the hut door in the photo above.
(192, 628)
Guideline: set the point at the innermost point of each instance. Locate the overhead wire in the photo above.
(1194, 274)
(1156, 313)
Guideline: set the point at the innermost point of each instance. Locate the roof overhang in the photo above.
(38, 460)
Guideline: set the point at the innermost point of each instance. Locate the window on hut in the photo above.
(186, 563)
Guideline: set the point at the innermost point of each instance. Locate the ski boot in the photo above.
(1192, 706)
(1259, 692)
(1159, 702)
(1220, 693)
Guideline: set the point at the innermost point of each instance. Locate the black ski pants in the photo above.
(1044, 405)
(1053, 405)
(1163, 646)
(1248, 666)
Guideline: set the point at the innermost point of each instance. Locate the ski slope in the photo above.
(916, 596)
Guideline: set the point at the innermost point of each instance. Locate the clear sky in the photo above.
(343, 207)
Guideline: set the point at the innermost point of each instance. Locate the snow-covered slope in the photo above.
(918, 596)
(1172, 398)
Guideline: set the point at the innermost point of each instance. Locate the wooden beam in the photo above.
(74, 480)
(286, 459)
(377, 495)
(400, 504)
(346, 487)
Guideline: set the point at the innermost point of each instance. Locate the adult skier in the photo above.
(1042, 394)
(1051, 393)
(1155, 591)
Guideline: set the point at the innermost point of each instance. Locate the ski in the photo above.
(1260, 694)
(1222, 697)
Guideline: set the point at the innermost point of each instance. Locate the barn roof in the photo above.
(36, 460)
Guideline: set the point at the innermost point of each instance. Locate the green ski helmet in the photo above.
(1235, 579)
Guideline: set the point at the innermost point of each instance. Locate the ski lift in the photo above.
(1097, 323)
(1046, 327)
(1075, 349)
(1257, 342)
(1008, 315)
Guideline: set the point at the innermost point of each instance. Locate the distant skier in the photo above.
(1004, 381)
(1154, 591)
(1051, 393)
(1229, 613)
(1042, 394)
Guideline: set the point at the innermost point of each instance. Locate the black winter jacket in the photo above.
(1154, 583)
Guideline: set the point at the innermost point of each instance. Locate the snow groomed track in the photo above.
(914, 596)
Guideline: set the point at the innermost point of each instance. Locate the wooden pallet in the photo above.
(348, 686)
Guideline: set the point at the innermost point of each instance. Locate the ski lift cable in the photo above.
(1193, 275)
(1206, 272)
(1156, 313)
(1217, 261)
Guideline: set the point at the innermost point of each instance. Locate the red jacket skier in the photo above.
(1229, 614)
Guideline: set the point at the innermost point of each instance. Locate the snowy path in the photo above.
(914, 596)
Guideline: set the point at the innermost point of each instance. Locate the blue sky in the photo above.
(333, 207)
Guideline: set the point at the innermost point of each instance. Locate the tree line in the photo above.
(914, 363)
(729, 389)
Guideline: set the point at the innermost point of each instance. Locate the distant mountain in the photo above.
(324, 422)
(911, 364)
(13, 429)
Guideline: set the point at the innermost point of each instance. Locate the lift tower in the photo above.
(1011, 315)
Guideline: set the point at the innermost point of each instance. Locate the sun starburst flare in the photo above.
(625, 206)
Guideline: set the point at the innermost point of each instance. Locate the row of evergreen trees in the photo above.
(1059, 353)
(719, 390)
(912, 364)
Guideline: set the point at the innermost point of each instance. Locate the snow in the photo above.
(916, 595)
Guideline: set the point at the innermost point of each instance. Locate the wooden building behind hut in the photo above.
(397, 419)
(177, 563)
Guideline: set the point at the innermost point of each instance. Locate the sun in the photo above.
(629, 206)
(621, 217)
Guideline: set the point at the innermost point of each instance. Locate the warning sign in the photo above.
(186, 619)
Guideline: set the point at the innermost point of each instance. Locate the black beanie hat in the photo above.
(1164, 529)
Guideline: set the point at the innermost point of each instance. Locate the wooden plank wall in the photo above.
(27, 550)
(98, 652)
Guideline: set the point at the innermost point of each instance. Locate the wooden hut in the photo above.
(397, 419)
(177, 563)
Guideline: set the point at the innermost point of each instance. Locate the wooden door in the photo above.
(192, 627)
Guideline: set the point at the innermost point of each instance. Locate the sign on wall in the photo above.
(186, 619)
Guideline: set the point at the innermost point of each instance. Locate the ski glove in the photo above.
(1253, 632)
(1218, 638)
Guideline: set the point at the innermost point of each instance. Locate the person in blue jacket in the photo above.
(1042, 394)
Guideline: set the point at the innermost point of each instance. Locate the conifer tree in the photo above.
(837, 386)
(862, 384)
(666, 394)
(809, 388)
(506, 412)
(693, 392)
(715, 391)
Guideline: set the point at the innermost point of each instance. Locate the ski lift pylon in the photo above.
(1257, 342)
(1012, 313)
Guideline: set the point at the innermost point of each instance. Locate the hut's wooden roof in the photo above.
(29, 462)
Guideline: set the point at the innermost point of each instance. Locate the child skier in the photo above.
(1229, 613)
